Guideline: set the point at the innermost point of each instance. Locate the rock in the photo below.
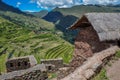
(88, 73)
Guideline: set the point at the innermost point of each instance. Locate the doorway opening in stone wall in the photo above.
(25, 63)
(11, 64)
(118, 43)
(49, 67)
(19, 64)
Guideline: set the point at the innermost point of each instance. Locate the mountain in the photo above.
(81, 9)
(78, 11)
(22, 34)
(53, 16)
(20, 18)
(5, 7)
(39, 14)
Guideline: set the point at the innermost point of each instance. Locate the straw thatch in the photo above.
(107, 25)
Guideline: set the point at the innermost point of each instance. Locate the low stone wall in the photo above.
(89, 67)
(37, 72)
(58, 63)
(34, 75)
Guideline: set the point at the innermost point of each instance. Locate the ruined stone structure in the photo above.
(26, 68)
(38, 72)
(20, 63)
(58, 63)
(97, 32)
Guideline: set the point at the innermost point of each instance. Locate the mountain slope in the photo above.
(79, 10)
(39, 14)
(16, 41)
(5, 7)
(53, 16)
(22, 34)
(20, 18)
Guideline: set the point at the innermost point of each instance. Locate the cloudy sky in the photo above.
(37, 5)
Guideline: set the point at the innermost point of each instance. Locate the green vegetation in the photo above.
(31, 23)
(22, 34)
(101, 75)
(51, 76)
(63, 50)
(16, 41)
(117, 55)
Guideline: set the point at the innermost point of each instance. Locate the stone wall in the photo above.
(34, 75)
(89, 36)
(58, 63)
(38, 72)
(89, 67)
(20, 63)
(17, 64)
(86, 43)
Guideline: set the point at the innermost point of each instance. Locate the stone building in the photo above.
(20, 63)
(97, 32)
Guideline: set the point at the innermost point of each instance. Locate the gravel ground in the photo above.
(113, 72)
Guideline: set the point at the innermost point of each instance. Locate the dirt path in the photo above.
(113, 72)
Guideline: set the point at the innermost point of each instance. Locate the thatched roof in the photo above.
(107, 25)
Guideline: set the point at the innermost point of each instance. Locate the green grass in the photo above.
(52, 76)
(29, 22)
(117, 54)
(16, 41)
(65, 51)
(101, 75)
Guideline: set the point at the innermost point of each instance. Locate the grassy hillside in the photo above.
(22, 34)
(16, 41)
(29, 21)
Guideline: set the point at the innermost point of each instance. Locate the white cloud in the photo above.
(46, 4)
(103, 2)
(29, 11)
(56, 3)
(18, 4)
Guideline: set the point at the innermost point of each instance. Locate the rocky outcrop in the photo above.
(89, 67)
